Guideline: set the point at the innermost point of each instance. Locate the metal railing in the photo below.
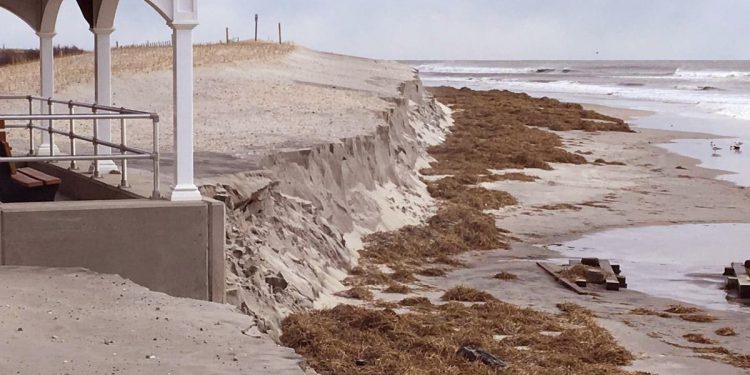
(32, 122)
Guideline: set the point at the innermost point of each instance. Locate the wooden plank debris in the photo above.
(566, 283)
(610, 276)
(743, 281)
(598, 272)
(738, 278)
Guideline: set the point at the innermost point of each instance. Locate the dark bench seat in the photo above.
(24, 184)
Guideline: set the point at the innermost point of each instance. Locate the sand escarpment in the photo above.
(294, 228)
(308, 150)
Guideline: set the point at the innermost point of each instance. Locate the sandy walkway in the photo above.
(78, 322)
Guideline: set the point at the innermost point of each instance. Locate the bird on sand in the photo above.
(715, 149)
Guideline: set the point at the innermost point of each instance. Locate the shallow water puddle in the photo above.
(682, 262)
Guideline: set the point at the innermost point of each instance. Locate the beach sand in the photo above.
(73, 321)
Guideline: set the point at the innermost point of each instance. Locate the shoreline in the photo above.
(685, 161)
(623, 113)
(637, 183)
(654, 167)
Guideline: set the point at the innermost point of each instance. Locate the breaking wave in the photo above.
(710, 74)
(479, 70)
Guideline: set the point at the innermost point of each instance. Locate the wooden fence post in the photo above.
(256, 27)
(279, 32)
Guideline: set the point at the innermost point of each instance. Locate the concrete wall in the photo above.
(175, 248)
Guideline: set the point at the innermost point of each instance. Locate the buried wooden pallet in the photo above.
(566, 283)
(738, 279)
(597, 271)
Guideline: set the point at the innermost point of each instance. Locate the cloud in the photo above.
(448, 29)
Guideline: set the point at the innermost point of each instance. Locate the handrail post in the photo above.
(95, 141)
(123, 144)
(71, 133)
(156, 194)
(49, 128)
(31, 126)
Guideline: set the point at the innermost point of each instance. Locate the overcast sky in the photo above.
(447, 29)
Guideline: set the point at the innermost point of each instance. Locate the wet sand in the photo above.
(655, 187)
(682, 262)
(626, 114)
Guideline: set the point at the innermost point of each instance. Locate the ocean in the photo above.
(721, 87)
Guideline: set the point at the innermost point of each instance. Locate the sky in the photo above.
(446, 29)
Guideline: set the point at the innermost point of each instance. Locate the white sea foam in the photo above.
(449, 69)
(710, 74)
(696, 87)
(714, 101)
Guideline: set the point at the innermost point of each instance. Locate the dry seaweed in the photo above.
(505, 276)
(645, 311)
(396, 288)
(356, 340)
(726, 331)
(500, 130)
(698, 338)
(465, 294)
(357, 292)
(698, 318)
(456, 191)
(680, 309)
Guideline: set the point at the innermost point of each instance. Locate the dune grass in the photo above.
(72, 69)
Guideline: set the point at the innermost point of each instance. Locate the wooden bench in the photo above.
(23, 184)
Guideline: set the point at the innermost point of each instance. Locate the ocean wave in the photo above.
(697, 88)
(710, 74)
(713, 101)
(449, 69)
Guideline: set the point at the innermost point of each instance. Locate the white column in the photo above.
(103, 89)
(182, 46)
(47, 86)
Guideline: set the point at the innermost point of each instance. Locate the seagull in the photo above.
(736, 146)
(715, 149)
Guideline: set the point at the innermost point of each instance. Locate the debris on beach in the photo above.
(579, 274)
(738, 280)
(475, 354)
(507, 276)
